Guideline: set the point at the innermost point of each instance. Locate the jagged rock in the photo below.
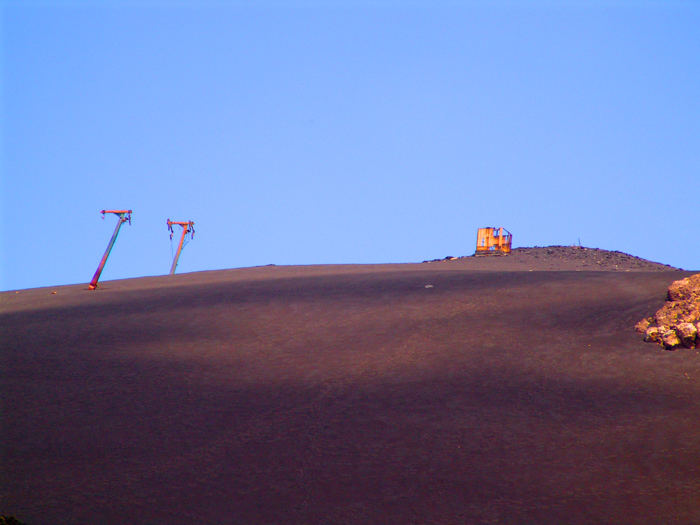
(652, 335)
(686, 289)
(678, 321)
(670, 339)
(687, 333)
(675, 312)
(642, 325)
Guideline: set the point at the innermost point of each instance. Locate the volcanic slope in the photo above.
(414, 393)
(575, 258)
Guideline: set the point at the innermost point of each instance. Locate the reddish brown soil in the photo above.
(419, 393)
(575, 258)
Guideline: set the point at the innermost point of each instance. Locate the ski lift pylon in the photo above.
(187, 227)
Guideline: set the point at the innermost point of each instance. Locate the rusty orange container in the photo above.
(493, 241)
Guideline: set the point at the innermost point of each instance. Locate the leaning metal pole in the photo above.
(179, 249)
(187, 227)
(124, 215)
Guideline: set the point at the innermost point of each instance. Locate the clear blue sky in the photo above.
(347, 132)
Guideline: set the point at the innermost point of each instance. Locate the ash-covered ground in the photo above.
(476, 390)
(550, 258)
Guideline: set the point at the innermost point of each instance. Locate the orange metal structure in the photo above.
(493, 241)
(187, 227)
(124, 216)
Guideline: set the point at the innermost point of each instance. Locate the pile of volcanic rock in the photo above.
(678, 322)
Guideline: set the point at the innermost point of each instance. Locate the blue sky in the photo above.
(347, 132)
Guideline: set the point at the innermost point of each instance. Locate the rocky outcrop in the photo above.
(677, 324)
(687, 333)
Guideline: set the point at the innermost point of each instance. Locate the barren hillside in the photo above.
(413, 393)
(575, 258)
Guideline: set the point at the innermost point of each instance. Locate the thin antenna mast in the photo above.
(187, 227)
(124, 216)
